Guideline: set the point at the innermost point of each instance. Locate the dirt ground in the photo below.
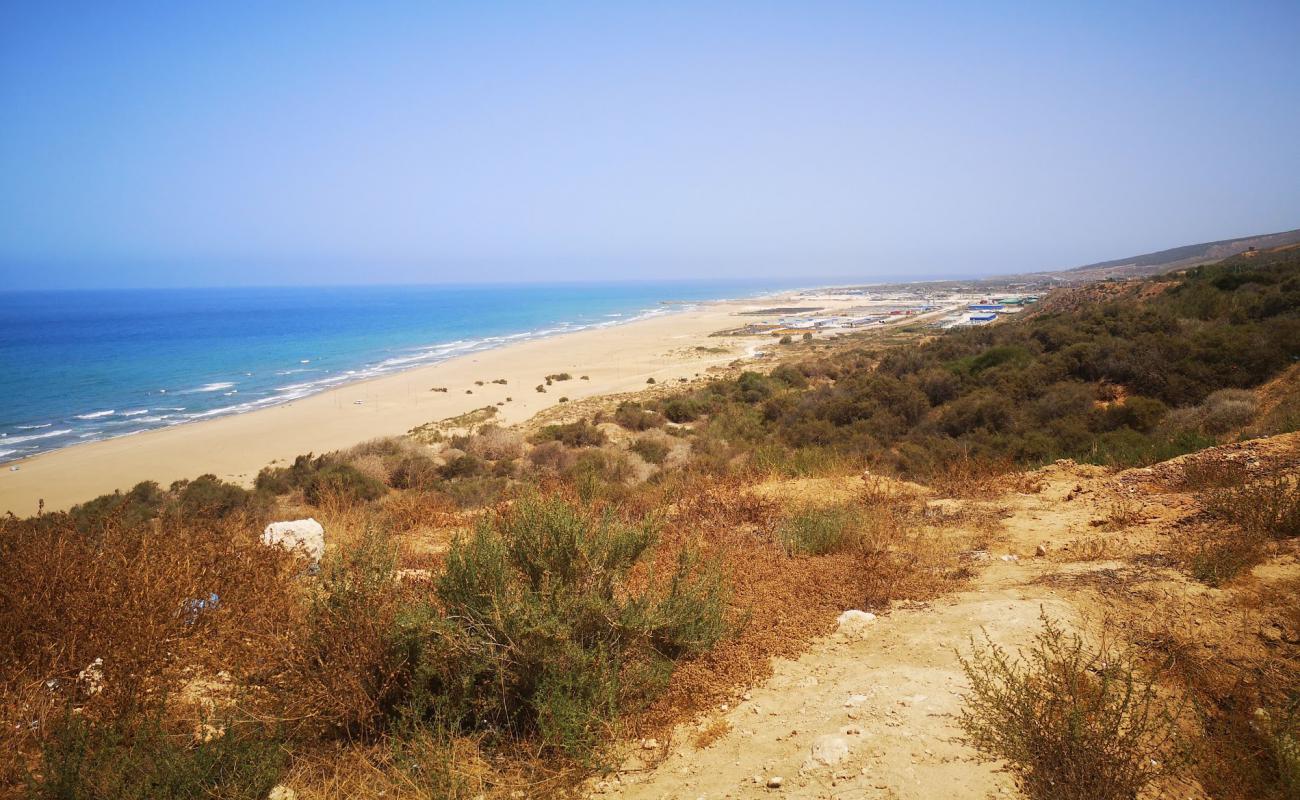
(872, 714)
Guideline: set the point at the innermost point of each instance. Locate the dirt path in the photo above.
(875, 716)
(886, 701)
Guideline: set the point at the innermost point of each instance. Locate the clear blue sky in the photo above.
(225, 143)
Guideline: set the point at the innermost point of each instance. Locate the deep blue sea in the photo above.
(77, 366)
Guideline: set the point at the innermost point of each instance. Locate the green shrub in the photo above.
(282, 480)
(652, 450)
(341, 482)
(681, 410)
(1074, 723)
(635, 418)
(573, 434)
(131, 510)
(463, 466)
(136, 759)
(208, 497)
(817, 531)
(413, 471)
(555, 639)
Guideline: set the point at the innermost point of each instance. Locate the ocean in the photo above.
(79, 366)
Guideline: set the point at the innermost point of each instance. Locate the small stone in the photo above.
(829, 750)
(1041, 550)
(649, 744)
(855, 700)
(775, 782)
(282, 792)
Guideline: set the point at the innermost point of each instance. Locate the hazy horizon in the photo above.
(161, 146)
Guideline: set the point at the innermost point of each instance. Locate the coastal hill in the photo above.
(1056, 556)
(1177, 257)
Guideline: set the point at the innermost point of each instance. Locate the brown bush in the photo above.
(495, 443)
(1074, 722)
(146, 601)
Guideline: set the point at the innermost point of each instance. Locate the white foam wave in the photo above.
(95, 414)
(213, 387)
(34, 427)
(33, 437)
(137, 412)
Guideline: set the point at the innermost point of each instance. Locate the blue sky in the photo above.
(280, 143)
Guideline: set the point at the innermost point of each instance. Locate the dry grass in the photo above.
(711, 733)
(1245, 692)
(1123, 511)
(978, 478)
(155, 604)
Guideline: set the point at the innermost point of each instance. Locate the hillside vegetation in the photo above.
(496, 610)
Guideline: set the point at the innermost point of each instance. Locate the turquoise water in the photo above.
(87, 365)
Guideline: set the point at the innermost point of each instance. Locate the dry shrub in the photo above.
(403, 512)
(372, 466)
(1074, 722)
(1208, 472)
(711, 733)
(1268, 508)
(552, 457)
(1123, 511)
(341, 677)
(972, 477)
(1215, 555)
(495, 443)
(1089, 548)
(147, 601)
(1247, 697)
(418, 766)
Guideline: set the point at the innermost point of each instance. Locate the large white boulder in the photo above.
(303, 536)
(853, 623)
(828, 750)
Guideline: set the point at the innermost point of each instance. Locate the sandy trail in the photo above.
(891, 697)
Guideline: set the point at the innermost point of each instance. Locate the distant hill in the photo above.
(1176, 257)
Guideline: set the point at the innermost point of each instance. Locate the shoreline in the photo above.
(616, 358)
(86, 426)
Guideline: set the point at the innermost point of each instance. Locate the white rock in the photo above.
(304, 536)
(775, 782)
(853, 623)
(282, 792)
(91, 679)
(855, 700)
(829, 750)
(649, 744)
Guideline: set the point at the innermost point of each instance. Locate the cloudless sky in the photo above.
(231, 143)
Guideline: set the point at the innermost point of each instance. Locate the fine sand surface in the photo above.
(617, 359)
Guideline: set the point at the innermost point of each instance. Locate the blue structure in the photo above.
(983, 317)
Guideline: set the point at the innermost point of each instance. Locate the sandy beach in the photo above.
(619, 358)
